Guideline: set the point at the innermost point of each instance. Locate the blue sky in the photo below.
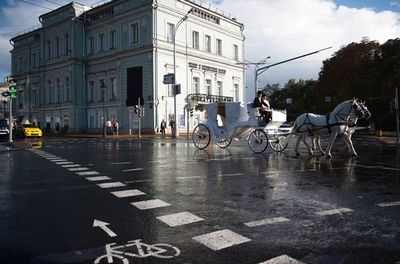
(281, 29)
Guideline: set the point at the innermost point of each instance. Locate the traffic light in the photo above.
(12, 86)
(143, 111)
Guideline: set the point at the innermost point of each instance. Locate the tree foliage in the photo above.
(366, 70)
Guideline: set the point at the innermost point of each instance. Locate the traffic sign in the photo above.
(6, 94)
(169, 78)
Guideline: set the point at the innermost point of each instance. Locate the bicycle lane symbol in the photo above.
(136, 248)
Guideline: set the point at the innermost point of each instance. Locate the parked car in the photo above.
(4, 129)
(28, 130)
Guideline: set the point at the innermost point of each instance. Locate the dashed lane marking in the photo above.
(128, 193)
(150, 204)
(334, 211)
(179, 219)
(134, 169)
(266, 221)
(70, 165)
(221, 239)
(284, 259)
(98, 178)
(111, 185)
(121, 163)
(388, 204)
(87, 173)
(79, 169)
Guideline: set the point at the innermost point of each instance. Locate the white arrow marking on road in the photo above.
(103, 225)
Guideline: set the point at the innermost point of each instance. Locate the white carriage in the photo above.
(229, 120)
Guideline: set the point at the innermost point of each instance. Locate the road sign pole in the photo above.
(11, 123)
(140, 117)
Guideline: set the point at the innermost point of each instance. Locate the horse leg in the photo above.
(318, 141)
(309, 148)
(349, 143)
(330, 144)
(296, 149)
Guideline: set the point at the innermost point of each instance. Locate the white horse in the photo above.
(315, 139)
(334, 124)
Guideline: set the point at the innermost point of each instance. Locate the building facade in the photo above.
(84, 65)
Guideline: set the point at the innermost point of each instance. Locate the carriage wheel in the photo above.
(201, 136)
(258, 141)
(277, 142)
(223, 143)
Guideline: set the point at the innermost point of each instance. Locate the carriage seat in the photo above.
(253, 111)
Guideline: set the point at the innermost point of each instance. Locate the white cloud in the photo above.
(284, 29)
(281, 29)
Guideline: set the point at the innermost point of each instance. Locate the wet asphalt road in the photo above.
(213, 206)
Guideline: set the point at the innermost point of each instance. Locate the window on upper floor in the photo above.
(134, 33)
(220, 88)
(58, 91)
(19, 64)
(34, 60)
(208, 87)
(170, 32)
(207, 43)
(57, 47)
(236, 52)
(66, 44)
(101, 42)
(196, 86)
(91, 45)
(102, 90)
(67, 90)
(195, 40)
(48, 55)
(113, 39)
(113, 89)
(219, 47)
(91, 92)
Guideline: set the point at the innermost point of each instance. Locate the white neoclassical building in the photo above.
(84, 65)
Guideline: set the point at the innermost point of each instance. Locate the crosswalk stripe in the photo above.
(266, 221)
(111, 184)
(98, 178)
(83, 173)
(334, 211)
(221, 239)
(127, 193)
(388, 204)
(150, 204)
(283, 259)
(178, 219)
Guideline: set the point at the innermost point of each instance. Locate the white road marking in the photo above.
(230, 174)
(135, 169)
(121, 163)
(128, 193)
(84, 173)
(110, 184)
(138, 181)
(190, 177)
(98, 178)
(58, 160)
(221, 239)
(373, 167)
(334, 211)
(103, 225)
(150, 204)
(179, 219)
(70, 165)
(284, 259)
(266, 221)
(388, 204)
(64, 162)
(79, 169)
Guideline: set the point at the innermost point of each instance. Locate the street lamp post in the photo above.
(4, 108)
(103, 88)
(174, 130)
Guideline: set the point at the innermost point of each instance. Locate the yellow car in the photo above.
(29, 130)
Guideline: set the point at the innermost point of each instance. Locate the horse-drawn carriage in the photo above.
(226, 121)
(229, 120)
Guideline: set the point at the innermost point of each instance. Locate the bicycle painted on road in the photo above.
(136, 248)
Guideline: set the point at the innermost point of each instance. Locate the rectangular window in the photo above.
(91, 45)
(57, 51)
(102, 90)
(113, 89)
(19, 65)
(101, 42)
(34, 98)
(207, 43)
(195, 39)
(58, 91)
(170, 32)
(208, 87)
(220, 88)
(113, 36)
(196, 87)
(66, 85)
(134, 33)
(66, 44)
(236, 52)
(34, 60)
(219, 47)
(91, 92)
(48, 49)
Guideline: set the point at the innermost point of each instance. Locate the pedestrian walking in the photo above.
(172, 124)
(163, 126)
(109, 127)
(115, 127)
